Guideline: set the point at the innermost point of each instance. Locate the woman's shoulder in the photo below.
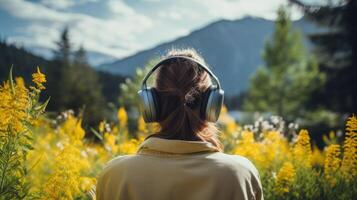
(236, 163)
(241, 168)
(118, 161)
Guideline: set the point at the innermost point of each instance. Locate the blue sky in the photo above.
(120, 27)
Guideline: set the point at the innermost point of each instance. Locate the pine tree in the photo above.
(78, 86)
(66, 75)
(336, 49)
(283, 85)
(63, 52)
(80, 57)
(59, 76)
(86, 90)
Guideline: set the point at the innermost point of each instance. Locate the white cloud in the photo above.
(127, 28)
(95, 33)
(37, 35)
(233, 9)
(119, 7)
(63, 4)
(58, 4)
(31, 11)
(164, 14)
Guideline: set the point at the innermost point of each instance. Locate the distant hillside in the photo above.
(232, 48)
(24, 64)
(94, 58)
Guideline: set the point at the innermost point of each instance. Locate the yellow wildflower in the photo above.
(38, 78)
(122, 117)
(72, 128)
(231, 127)
(249, 148)
(18, 113)
(332, 162)
(274, 149)
(285, 178)
(14, 105)
(141, 125)
(87, 183)
(349, 162)
(110, 143)
(302, 149)
(224, 110)
(317, 158)
(128, 147)
(101, 126)
(65, 181)
(247, 137)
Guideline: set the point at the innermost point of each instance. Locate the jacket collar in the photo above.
(160, 145)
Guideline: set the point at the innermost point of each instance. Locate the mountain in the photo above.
(94, 58)
(231, 47)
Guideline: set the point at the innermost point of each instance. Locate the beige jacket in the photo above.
(177, 169)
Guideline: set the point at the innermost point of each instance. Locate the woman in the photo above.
(185, 159)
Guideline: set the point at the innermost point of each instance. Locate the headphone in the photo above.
(211, 103)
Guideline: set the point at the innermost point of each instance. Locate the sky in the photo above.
(120, 27)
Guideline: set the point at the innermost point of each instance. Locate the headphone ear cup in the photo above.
(204, 100)
(149, 104)
(213, 102)
(155, 105)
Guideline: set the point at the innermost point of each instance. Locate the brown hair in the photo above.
(180, 85)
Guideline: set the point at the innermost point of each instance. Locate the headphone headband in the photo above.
(204, 67)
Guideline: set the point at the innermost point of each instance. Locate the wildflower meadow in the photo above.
(46, 158)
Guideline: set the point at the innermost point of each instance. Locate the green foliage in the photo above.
(129, 97)
(16, 140)
(283, 86)
(72, 162)
(64, 46)
(13, 173)
(129, 89)
(336, 50)
(285, 48)
(25, 63)
(110, 84)
(77, 78)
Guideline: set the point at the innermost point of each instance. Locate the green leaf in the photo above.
(97, 134)
(27, 147)
(11, 81)
(42, 108)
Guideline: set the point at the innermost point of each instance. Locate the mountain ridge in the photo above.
(231, 47)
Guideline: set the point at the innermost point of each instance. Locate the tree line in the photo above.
(71, 82)
(317, 88)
